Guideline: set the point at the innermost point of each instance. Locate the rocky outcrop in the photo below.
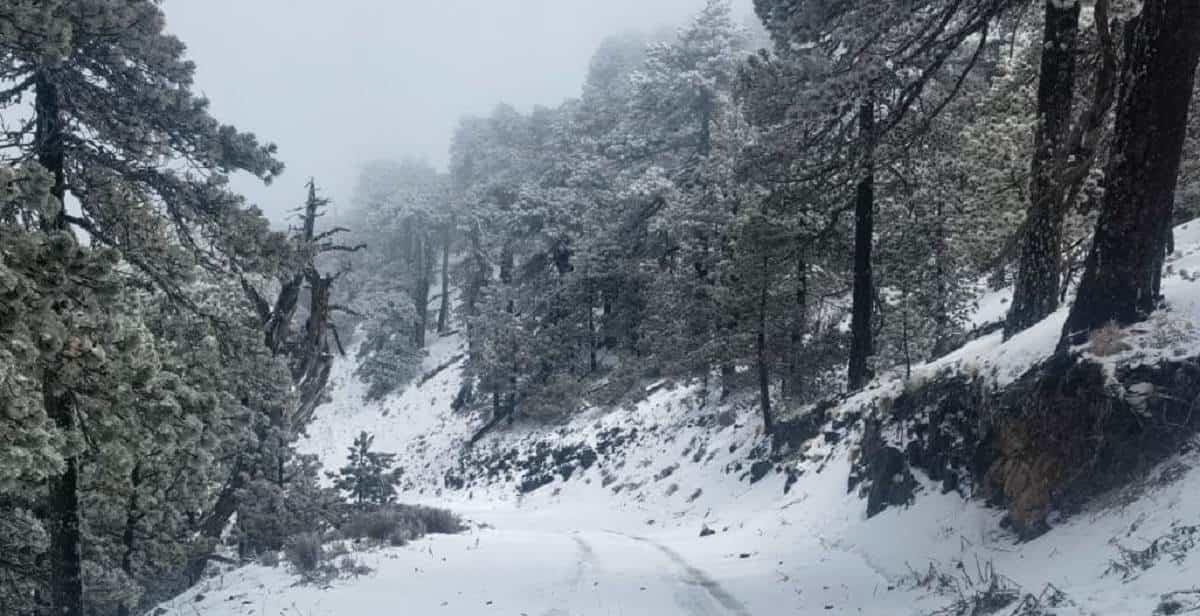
(1065, 432)
(882, 475)
(1068, 431)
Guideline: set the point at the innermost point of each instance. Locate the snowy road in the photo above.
(578, 549)
(526, 573)
(554, 574)
(577, 574)
(532, 564)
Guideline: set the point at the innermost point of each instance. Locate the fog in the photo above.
(336, 84)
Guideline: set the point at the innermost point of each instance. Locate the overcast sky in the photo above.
(337, 83)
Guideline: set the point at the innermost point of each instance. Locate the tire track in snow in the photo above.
(587, 556)
(696, 577)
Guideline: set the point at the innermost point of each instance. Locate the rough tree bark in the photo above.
(214, 522)
(313, 359)
(65, 565)
(861, 343)
(49, 144)
(1035, 294)
(1125, 263)
(66, 572)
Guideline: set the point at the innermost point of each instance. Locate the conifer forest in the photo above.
(696, 307)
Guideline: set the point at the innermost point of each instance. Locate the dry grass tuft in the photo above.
(1108, 340)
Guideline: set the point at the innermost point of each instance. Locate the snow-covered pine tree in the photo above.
(194, 399)
(688, 127)
(157, 405)
(866, 69)
(954, 191)
(368, 479)
(55, 359)
(493, 159)
(108, 97)
(134, 161)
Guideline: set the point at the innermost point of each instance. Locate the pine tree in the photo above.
(1124, 268)
(57, 332)
(367, 479)
(283, 503)
(226, 385)
(306, 351)
(1064, 151)
(387, 358)
(687, 117)
(111, 100)
(899, 51)
(149, 389)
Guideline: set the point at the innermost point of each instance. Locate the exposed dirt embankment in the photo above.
(1065, 432)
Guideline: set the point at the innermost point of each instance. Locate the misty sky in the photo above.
(337, 83)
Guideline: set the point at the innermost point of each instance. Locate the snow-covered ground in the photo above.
(623, 536)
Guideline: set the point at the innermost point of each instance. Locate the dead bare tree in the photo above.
(308, 350)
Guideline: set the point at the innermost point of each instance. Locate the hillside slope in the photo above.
(673, 507)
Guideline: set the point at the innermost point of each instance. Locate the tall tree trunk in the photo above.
(792, 385)
(444, 309)
(129, 535)
(66, 567)
(593, 343)
(507, 277)
(49, 142)
(310, 357)
(313, 360)
(1035, 295)
(1166, 240)
(941, 307)
(478, 277)
(507, 265)
(904, 316)
(764, 370)
(1123, 268)
(214, 523)
(861, 341)
(423, 258)
(726, 324)
(65, 559)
